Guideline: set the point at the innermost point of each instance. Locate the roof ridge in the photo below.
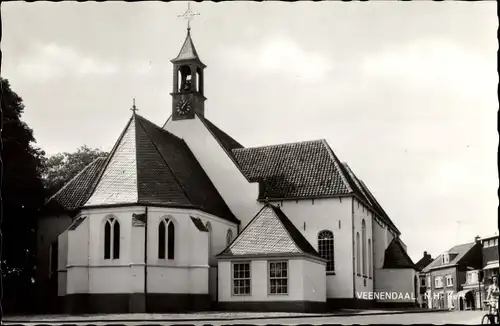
(337, 164)
(76, 176)
(283, 144)
(166, 163)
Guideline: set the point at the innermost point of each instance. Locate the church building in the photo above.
(182, 217)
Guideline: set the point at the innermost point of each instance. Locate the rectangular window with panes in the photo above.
(438, 282)
(449, 280)
(278, 277)
(241, 279)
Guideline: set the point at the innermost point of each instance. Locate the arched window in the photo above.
(111, 239)
(166, 239)
(358, 254)
(363, 245)
(326, 249)
(229, 237)
(370, 257)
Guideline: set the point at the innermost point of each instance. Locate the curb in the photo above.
(347, 314)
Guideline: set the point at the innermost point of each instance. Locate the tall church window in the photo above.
(363, 245)
(326, 249)
(229, 237)
(370, 257)
(112, 239)
(166, 239)
(358, 254)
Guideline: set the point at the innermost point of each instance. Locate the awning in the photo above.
(491, 266)
(461, 294)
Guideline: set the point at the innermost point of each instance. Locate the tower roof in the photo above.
(188, 51)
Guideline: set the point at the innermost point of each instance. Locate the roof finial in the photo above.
(133, 106)
(188, 14)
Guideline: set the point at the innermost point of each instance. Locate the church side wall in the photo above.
(62, 262)
(379, 245)
(363, 281)
(238, 193)
(397, 281)
(48, 229)
(78, 253)
(334, 214)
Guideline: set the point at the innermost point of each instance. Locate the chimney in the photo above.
(425, 253)
(476, 238)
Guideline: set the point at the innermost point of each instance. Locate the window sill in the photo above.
(358, 274)
(277, 294)
(330, 273)
(364, 276)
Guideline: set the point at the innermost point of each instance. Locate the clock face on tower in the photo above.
(183, 107)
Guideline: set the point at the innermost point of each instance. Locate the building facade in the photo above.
(448, 272)
(422, 298)
(490, 265)
(141, 229)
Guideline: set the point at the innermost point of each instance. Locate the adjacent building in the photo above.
(421, 279)
(448, 272)
(490, 265)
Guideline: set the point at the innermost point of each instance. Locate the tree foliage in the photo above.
(22, 193)
(60, 168)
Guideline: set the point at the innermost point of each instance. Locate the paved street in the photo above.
(459, 317)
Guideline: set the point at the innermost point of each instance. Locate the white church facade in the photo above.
(182, 217)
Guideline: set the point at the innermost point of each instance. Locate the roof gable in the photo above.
(396, 256)
(293, 170)
(270, 232)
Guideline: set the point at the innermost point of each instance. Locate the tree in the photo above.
(22, 194)
(60, 168)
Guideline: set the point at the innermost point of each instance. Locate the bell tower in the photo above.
(188, 91)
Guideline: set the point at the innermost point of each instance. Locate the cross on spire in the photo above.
(133, 106)
(188, 14)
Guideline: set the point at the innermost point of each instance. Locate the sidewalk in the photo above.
(204, 316)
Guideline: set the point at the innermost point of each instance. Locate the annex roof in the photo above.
(270, 232)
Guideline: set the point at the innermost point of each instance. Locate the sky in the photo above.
(404, 92)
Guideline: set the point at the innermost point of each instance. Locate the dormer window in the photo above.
(446, 259)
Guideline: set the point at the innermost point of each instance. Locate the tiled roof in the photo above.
(188, 51)
(459, 253)
(270, 232)
(199, 224)
(396, 256)
(149, 165)
(423, 262)
(77, 191)
(303, 169)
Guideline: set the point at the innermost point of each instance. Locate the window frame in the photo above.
(233, 279)
(324, 245)
(269, 278)
(438, 279)
(168, 252)
(449, 281)
(229, 237)
(114, 229)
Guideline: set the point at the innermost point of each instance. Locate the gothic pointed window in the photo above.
(363, 245)
(358, 254)
(326, 249)
(229, 237)
(111, 239)
(166, 239)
